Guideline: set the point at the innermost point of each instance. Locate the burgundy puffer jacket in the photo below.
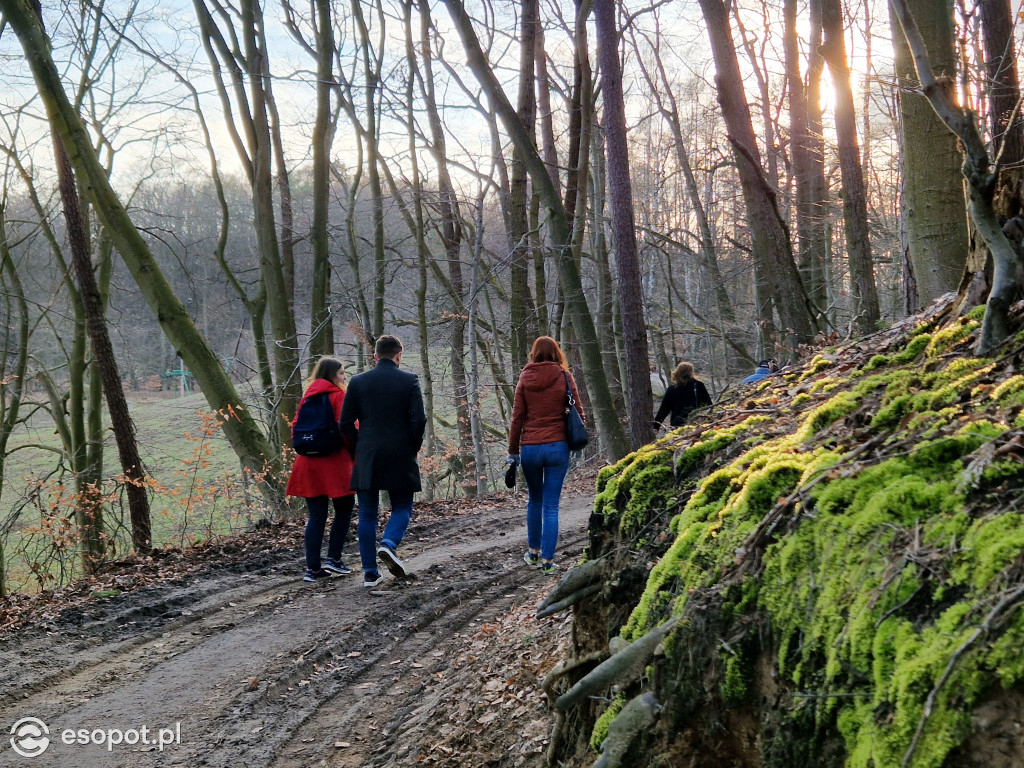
(538, 413)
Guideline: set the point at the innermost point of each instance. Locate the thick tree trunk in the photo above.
(1004, 96)
(806, 153)
(523, 313)
(981, 185)
(321, 327)
(933, 197)
(620, 190)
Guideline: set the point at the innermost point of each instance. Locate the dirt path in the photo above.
(249, 666)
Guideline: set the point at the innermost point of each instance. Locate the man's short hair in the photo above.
(387, 346)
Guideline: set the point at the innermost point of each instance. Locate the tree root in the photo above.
(563, 668)
(579, 577)
(572, 599)
(635, 718)
(623, 668)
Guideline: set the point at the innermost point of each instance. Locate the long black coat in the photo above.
(388, 405)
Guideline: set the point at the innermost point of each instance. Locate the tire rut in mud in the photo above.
(260, 668)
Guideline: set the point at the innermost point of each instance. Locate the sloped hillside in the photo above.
(828, 570)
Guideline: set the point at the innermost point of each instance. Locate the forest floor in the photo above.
(244, 664)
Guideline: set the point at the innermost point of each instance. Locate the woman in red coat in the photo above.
(319, 478)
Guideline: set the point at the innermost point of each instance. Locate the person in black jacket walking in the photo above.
(388, 405)
(684, 395)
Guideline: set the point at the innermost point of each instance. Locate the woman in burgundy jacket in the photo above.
(538, 432)
(319, 478)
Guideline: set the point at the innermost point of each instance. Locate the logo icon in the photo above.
(30, 737)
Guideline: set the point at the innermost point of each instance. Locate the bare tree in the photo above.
(610, 427)
(620, 192)
(239, 426)
(770, 238)
(855, 206)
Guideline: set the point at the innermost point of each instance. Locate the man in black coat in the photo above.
(388, 405)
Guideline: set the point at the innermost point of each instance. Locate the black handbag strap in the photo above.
(568, 392)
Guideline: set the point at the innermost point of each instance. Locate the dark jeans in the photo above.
(544, 467)
(394, 531)
(317, 521)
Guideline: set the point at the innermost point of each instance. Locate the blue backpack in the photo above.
(316, 432)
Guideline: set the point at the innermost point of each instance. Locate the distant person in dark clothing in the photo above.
(683, 396)
(388, 405)
(764, 369)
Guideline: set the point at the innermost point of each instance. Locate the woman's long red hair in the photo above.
(546, 350)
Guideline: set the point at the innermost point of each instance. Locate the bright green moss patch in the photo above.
(945, 339)
(817, 364)
(878, 581)
(600, 732)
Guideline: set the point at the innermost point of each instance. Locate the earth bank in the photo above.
(824, 570)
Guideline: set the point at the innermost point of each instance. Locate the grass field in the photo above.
(196, 492)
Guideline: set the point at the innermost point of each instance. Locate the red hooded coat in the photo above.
(322, 475)
(538, 412)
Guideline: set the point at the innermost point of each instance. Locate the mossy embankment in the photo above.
(843, 550)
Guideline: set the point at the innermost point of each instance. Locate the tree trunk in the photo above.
(620, 192)
(981, 185)
(17, 323)
(103, 357)
(321, 326)
(451, 236)
(806, 153)
(769, 238)
(933, 197)
(855, 205)
(1004, 97)
(288, 385)
(561, 238)
(523, 312)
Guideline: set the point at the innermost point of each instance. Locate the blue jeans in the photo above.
(544, 467)
(317, 521)
(394, 531)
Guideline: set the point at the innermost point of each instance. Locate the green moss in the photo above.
(976, 313)
(651, 490)
(944, 340)
(878, 361)
(736, 682)
(817, 364)
(1004, 392)
(828, 412)
(910, 352)
(600, 732)
(876, 575)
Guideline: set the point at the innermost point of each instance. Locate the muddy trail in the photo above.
(242, 663)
